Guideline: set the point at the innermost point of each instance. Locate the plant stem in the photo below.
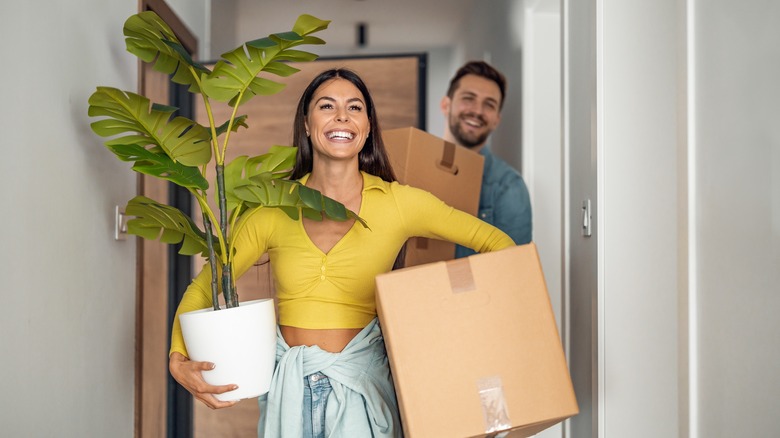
(219, 159)
(228, 287)
(230, 124)
(206, 209)
(212, 259)
(233, 227)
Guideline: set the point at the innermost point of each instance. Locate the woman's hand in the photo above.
(188, 374)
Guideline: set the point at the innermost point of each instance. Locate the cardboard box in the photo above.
(474, 348)
(452, 173)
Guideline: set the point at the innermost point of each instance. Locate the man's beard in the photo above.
(465, 139)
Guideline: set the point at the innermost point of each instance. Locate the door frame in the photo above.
(153, 277)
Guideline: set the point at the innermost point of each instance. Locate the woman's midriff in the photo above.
(332, 340)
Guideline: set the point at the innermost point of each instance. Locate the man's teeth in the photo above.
(340, 134)
(473, 122)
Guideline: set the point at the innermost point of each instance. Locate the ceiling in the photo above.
(391, 25)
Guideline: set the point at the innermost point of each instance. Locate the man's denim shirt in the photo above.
(503, 202)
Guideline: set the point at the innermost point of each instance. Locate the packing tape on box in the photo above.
(461, 278)
(494, 408)
(447, 162)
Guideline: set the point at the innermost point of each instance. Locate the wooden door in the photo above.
(152, 309)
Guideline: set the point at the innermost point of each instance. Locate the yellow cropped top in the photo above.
(319, 290)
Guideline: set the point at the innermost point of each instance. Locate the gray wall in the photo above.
(68, 287)
(494, 34)
(737, 217)
(638, 188)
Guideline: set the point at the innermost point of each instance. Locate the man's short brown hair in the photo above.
(482, 69)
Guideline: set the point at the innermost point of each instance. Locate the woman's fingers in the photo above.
(212, 402)
(189, 375)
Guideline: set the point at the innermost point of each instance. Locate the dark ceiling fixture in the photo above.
(362, 34)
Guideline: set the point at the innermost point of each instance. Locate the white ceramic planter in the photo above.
(240, 341)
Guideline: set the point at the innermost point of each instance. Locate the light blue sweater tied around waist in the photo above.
(362, 403)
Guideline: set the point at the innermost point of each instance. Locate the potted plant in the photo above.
(178, 149)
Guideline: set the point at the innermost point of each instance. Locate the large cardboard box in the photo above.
(452, 173)
(474, 348)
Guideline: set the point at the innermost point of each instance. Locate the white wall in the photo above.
(637, 149)
(542, 147)
(440, 71)
(68, 287)
(736, 106)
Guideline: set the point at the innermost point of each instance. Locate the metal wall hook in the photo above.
(120, 224)
(587, 219)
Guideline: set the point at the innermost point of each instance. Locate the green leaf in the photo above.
(277, 163)
(287, 36)
(292, 212)
(310, 197)
(239, 122)
(281, 69)
(262, 43)
(307, 24)
(234, 175)
(150, 39)
(158, 164)
(296, 56)
(313, 40)
(156, 221)
(263, 190)
(182, 139)
(315, 201)
(312, 214)
(235, 78)
(279, 160)
(334, 209)
(261, 87)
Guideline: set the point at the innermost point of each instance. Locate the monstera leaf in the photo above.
(182, 139)
(149, 38)
(278, 162)
(236, 77)
(156, 163)
(238, 122)
(290, 196)
(157, 221)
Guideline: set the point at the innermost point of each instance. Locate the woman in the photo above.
(332, 375)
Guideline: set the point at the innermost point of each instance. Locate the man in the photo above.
(472, 108)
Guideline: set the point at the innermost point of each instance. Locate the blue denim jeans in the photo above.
(316, 389)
